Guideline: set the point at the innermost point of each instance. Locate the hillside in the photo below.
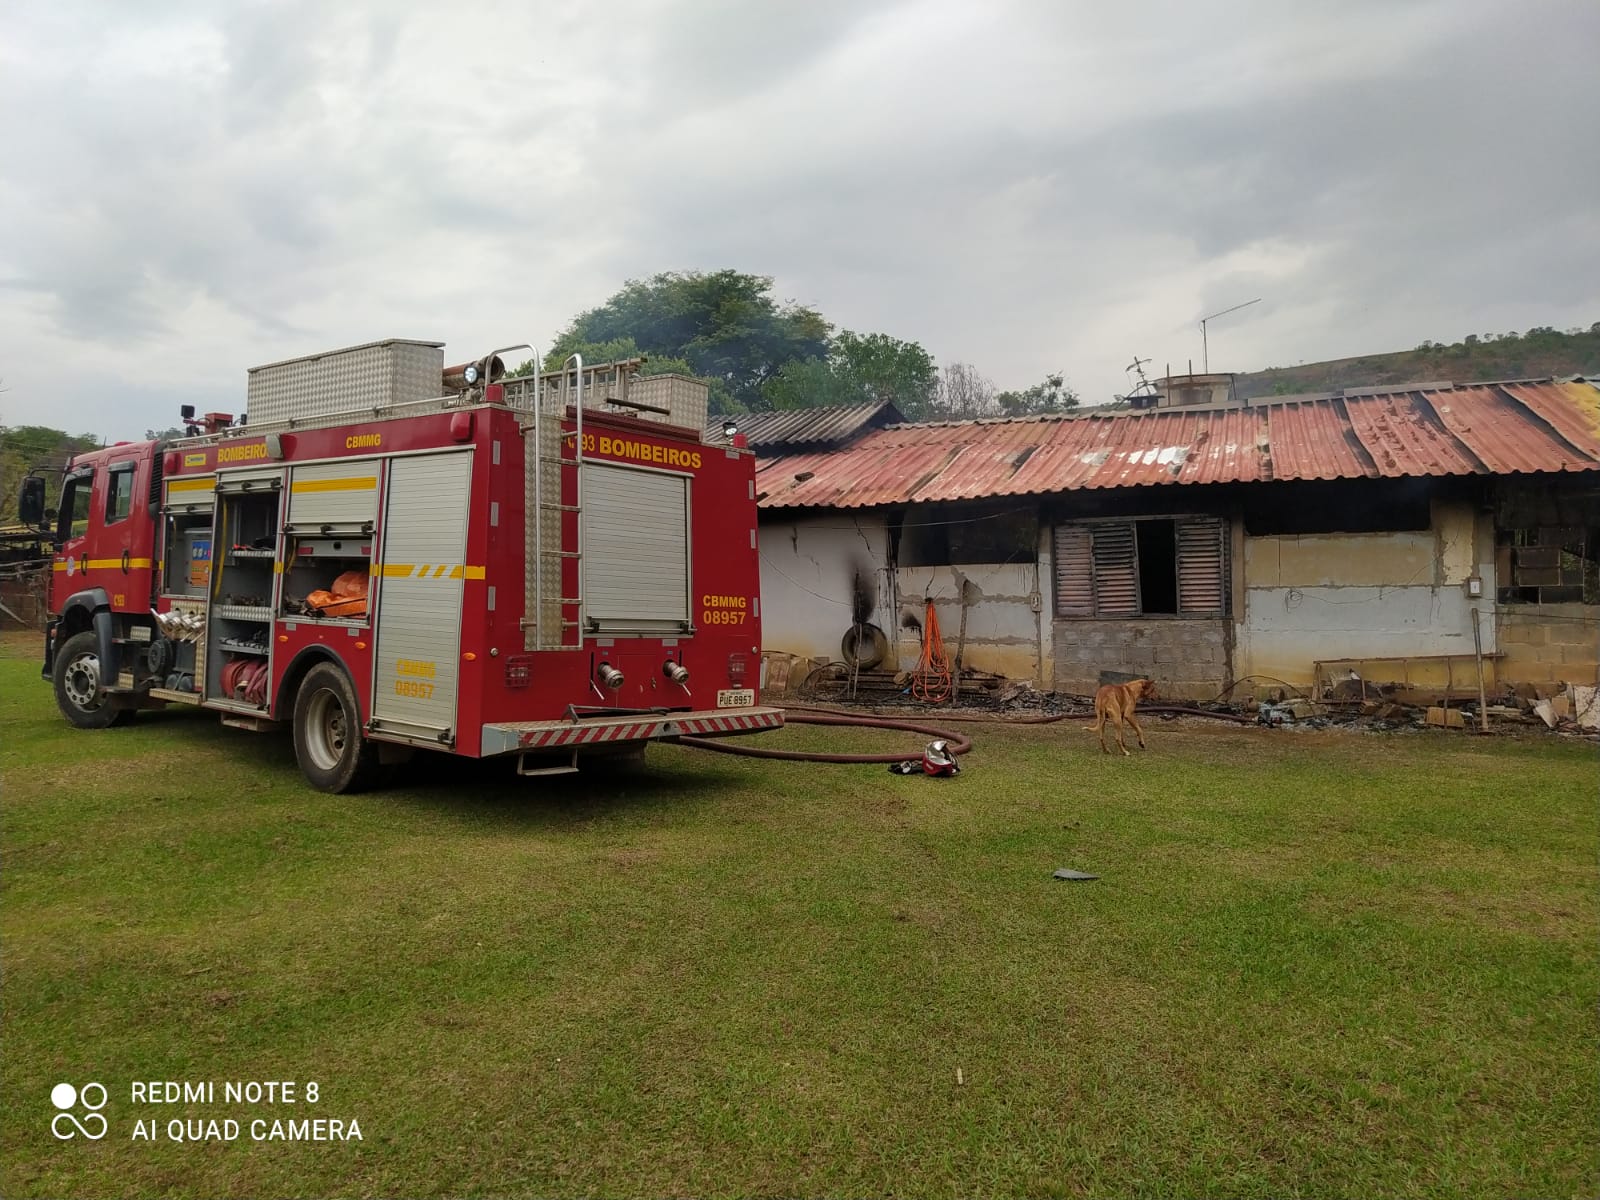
(1539, 352)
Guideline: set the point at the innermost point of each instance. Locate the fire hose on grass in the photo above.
(959, 743)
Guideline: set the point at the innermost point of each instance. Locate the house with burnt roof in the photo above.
(1388, 534)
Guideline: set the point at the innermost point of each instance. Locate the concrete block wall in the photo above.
(1549, 644)
(1188, 658)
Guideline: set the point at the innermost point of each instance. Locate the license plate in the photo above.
(736, 698)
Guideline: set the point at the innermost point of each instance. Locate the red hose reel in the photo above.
(245, 679)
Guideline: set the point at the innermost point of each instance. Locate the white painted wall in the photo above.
(806, 571)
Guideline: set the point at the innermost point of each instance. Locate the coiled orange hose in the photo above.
(930, 682)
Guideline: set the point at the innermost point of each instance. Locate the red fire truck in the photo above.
(388, 554)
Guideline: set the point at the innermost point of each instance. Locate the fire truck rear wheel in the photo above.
(328, 743)
(78, 685)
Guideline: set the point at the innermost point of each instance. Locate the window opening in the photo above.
(1158, 566)
(119, 493)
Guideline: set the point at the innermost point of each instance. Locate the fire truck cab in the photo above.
(389, 555)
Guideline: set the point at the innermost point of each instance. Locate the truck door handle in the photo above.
(124, 562)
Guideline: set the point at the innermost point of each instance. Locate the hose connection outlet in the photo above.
(677, 672)
(610, 676)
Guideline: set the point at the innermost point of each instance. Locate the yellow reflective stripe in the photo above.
(363, 483)
(105, 564)
(427, 571)
(102, 564)
(208, 484)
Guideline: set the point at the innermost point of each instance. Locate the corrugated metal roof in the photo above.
(1473, 430)
(796, 429)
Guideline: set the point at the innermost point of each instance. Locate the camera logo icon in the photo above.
(66, 1097)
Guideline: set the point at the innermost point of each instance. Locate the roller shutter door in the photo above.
(340, 493)
(260, 479)
(192, 493)
(635, 550)
(419, 598)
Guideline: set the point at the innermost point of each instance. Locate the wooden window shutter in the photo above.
(1202, 565)
(1074, 572)
(1116, 570)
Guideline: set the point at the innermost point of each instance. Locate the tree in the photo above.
(814, 383)
(859, 369)
(622, 349)
(890, 369)
(1050, 396)
(24, 448)
(963, 392)
(724, 324)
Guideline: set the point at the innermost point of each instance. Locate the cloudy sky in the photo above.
(193, 188)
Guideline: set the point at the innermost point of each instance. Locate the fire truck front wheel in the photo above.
(79, 693)
(333, 753)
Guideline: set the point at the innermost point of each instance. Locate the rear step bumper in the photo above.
(505, 737)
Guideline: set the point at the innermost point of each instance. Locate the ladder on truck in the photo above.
(554, 620)
(553, 470)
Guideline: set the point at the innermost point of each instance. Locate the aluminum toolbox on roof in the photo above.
(375, 375)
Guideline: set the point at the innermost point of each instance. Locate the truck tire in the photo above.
(79, 694)
(333, 753)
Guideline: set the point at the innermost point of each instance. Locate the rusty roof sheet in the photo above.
(795, 429)
(1479, 429)
(1404, 435)
(1572, 409)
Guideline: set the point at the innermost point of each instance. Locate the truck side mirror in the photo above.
(30, 502)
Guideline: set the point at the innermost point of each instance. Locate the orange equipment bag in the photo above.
(347, 599)
(350, 585)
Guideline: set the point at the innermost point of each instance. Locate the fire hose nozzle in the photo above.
(610, 676)
(676, 672)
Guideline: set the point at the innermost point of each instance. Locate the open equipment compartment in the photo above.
(243, 582)
(328, 541)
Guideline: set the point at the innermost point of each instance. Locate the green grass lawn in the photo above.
(1316, 964)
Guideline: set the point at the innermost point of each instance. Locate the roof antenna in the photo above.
(1205, 349)
(1137, 365)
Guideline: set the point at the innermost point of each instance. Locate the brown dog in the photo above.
(1116, 702)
